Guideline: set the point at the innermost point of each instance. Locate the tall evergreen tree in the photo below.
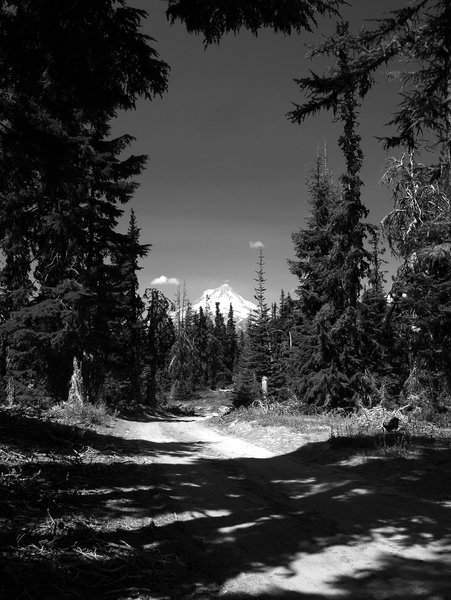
(127, 326)
(255, 359)
(310, 360)
(419, 231)
(313, 244)
(183, 358)
(218, 348)
(201, 340)
(348, 260)
(259, 326)
(382, 350)
(231, 351)
(159, 337)
(282, 332)
(62, 178)
(419, 228)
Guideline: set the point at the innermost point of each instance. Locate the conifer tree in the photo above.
(231, 351)
(281, 332)
(183, 357)
(159, 337)
(126, 326)
(255, 358)
(313, 244)
(62, 178)
(418, 231)
(310, 359)
(246, 388)
(382, 349)
(217, 17)
(201, 341)
(419, 227)
(218, 348)
(259, 326)
(210, 355)
(348, 260)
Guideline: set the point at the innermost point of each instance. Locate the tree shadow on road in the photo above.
(173, 521)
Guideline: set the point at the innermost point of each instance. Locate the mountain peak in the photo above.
(225, 296)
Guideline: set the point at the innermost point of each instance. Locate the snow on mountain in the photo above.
(226, 296)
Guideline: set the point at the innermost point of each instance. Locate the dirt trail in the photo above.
(247, 522)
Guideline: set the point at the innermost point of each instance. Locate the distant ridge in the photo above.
(226, 296)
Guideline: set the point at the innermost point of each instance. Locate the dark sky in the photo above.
(226, 167)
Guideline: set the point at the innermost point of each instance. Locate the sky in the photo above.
(226, 167)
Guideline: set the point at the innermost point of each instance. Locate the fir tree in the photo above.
(348, 260)
(310, 360)
(246, 388)
(218, 348)
(418, 231)
(281, 330)
(159, 338)
(255, 358)
(419, 227)
(63, 179)
(231, 347)
(183, 358)
(259, 326)
(201, 340)
(381, 348)
(127, 325)
(218, 17)
(313, 244)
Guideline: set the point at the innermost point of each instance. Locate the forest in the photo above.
(70, 289)
(77, 334)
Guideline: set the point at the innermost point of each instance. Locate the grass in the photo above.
(86, 414)
(362, 431)
(274, 415)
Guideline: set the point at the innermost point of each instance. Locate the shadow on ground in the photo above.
(182, 527)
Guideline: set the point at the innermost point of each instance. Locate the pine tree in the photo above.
(348, 260)
(313, 244)
(418, 231)
(246, 388)
(126, 324)
(259, 326)
(255, 357)
(218, 349)
(419, 228)
(183, 358)
(231, 347)
(159, 338)
(62, 178)
(201, 341)
(381, 348)
(310, 360)
(282, 330)
(218, 17)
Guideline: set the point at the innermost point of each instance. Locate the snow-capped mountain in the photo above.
(226, 296)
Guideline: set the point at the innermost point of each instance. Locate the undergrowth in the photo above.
(362, 430)
(86, 414)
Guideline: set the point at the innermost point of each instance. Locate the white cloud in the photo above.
(257, 244)
(163, 280)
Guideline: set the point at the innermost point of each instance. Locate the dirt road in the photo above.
(242, 521)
